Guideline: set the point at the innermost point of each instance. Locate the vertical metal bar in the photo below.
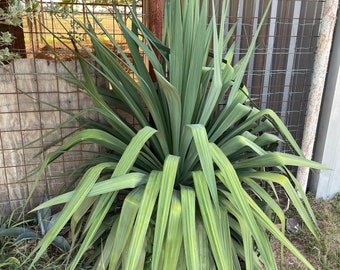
(226, 25)
(269, 58)
(318, 84)
(239, 30)
(291, 57)
(252, 58)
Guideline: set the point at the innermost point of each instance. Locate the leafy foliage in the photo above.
(199, 172)
(14, 252)
(45, 221)
(12, 15)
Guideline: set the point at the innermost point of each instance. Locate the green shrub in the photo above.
(12, 15)
(199, 179)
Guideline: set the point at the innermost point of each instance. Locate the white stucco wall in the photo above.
(325, 184)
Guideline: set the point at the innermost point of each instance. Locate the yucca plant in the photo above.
(200, 173)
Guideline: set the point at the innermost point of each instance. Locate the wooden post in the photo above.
(154, 20)
(154, 10)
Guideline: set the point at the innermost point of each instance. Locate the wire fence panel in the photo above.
(279, 74)
(55, 18)
(26, 116)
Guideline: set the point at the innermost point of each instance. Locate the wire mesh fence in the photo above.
(279, 74)
(25, 117)
(27, 88)
(278, 77)
(53, 27)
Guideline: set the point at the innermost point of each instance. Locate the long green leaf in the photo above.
(88, 135)
(270, 226)
(175, 111)
(231, 181)
(278, 159)
(104, 203)
(248, 245)
(291, 192)
(126, 221)
(143, 219)
(204, 251)
(164, 200)
(274, 120)
(131, 152)
(211, 219)
(96, 218)
(239, 226)
(107, 250)
(173, 27)
(80, 194)
(230, 118)
(202, 146)
(126, 181)
(78, 215)
(302, 194)
(215, 90)
(189, 228)
(197, 45)
(174, 235)
(123, 131)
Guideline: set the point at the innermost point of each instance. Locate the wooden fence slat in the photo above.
(23, 119)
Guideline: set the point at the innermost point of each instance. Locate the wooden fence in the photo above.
(25, 117)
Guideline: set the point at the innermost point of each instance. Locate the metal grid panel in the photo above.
(54, 17)
(23, 119)
(279, 73)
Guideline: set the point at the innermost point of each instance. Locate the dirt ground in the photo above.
(324, 253)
